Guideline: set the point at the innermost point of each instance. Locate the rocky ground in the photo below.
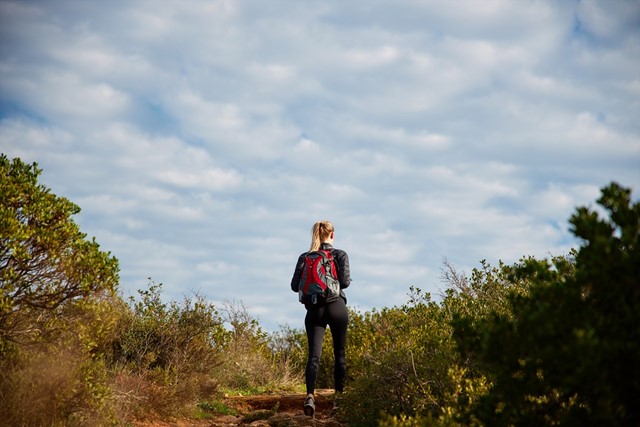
(266, 411)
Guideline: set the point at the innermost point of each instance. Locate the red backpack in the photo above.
(319, 280)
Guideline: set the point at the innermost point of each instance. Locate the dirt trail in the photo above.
(282, 410)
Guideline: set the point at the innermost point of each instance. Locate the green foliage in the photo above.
(260, 414)
(215, 408)
(404, 361)
(252, 366)
(165, 353)
(56, 293)
(289, 345)
(170, 336)
(540, 342)
(106, 359)
(169, 356)
(398, 360)
(46, 264)
(405, 421)
(568, 354)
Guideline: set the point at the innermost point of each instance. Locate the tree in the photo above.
(569, 353)
(46, 263)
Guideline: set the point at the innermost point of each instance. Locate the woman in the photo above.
(321, 314)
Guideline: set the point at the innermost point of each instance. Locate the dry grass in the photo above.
(161, 362)
(49, 386)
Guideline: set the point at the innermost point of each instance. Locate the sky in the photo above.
(202, 139)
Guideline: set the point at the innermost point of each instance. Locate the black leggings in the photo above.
(336, 316)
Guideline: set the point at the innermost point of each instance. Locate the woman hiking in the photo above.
(323, 310)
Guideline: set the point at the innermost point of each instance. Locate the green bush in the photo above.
(404, 361)
(398, 359)
(568, 353)
(56, 293)
(540, 342)
(166, 353)
(252, 364)
(46, 264)
(289, 346)
(169, 357)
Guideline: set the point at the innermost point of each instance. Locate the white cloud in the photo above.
(615, 20)
(557, 202)
(376, 57)
(65, 96)
(279, 74)
(202, 140)
(214, 179)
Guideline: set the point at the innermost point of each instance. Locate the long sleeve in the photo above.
(342, 264)
(297, 273)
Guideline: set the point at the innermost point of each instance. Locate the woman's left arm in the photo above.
(297, 273)
(344, 275)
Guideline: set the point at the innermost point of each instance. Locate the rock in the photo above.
(258, 415)
(226, 421)
(283, 420)
(300, 420)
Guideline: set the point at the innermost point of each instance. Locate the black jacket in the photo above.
(342, 266)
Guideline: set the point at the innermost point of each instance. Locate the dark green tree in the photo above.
(569, 354)
(46, 264)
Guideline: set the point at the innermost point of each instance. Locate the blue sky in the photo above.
(202, 139)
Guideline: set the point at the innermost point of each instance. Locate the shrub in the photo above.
(170, 357)
(404, 361)
(56, 293)
(46, 263)
(568, 353)
(252, 364)
(398, 358)
(64, 379)
(166, 352)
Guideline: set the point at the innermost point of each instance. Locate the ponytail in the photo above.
(320, 232)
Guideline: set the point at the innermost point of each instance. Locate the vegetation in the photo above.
(539, 342)
(547, 342)
(107, 360)
(568, 353)
(55, 287)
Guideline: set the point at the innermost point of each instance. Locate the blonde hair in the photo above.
(320, 232)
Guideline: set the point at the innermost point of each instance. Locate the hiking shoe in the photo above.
(310, 406)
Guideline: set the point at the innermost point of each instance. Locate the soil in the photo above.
(277, 410)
